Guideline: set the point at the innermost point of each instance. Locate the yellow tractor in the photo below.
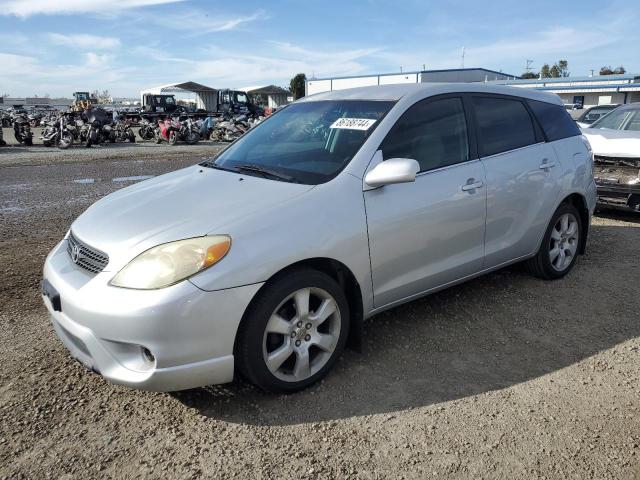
(82, 101)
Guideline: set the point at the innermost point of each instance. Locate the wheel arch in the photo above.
(343, 276)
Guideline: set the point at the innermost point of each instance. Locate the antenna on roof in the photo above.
(527, 68)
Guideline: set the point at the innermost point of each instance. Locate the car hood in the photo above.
(613, 143)
(187, 203)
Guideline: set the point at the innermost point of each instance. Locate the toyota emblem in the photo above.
(75, 253)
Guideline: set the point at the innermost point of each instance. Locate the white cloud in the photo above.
(198, 22)
(96, 60)
(85, 41)
(27, 8)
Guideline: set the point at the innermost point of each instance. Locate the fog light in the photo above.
(147, 355)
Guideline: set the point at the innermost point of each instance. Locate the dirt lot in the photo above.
(503, 377)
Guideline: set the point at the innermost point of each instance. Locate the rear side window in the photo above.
(554, 119)
(433, 132)
(504, 124)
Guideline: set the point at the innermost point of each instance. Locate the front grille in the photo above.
(86, 257)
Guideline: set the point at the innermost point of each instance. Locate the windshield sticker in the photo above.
(353, 123)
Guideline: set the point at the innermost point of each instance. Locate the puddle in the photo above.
(84, 180)
(135, 178)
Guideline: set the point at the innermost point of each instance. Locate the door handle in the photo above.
(546, 164)
(471, 185)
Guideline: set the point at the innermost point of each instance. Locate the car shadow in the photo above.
(488, 334)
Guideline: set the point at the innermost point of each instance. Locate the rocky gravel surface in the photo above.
(504, 377)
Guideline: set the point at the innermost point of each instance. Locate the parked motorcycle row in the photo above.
(172, 130)
(98, 126)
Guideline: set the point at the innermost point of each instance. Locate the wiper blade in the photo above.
(264, 171)
(210, 163)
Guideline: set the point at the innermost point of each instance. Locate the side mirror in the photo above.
(394, 170)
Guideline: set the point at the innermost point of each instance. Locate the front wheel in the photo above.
(560, 245)
(66, 140)
(293, 332)
(173, 137)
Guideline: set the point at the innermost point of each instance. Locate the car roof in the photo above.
(423, 90)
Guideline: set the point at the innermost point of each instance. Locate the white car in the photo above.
(615, 140)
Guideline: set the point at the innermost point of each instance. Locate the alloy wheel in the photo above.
(563, 244)
(301, 335)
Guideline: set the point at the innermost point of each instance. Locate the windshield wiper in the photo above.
(211, 163)
(264, 171)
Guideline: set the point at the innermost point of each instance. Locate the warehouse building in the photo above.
(457, 75)
(586, 91)
(271, 96)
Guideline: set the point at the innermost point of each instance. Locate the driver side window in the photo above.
(432, 132)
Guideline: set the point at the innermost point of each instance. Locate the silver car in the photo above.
(266, 259)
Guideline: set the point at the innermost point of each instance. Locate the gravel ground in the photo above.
(503, 377)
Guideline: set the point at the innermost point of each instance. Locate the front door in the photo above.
(428, 233)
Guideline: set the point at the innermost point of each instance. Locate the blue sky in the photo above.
(56, 47)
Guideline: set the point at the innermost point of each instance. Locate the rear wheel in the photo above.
(173, 137)
(293, 332)
(560, 245)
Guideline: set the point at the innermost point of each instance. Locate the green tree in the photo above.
(606, 70)
(563, 68)
(620, 70)
(545, 71)
(297, 85)
(528, 75)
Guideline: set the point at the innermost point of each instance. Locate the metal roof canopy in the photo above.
(206, 97)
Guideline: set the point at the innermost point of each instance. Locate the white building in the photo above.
(457, 75)
(587, 91)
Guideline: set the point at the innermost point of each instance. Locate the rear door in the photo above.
(428, 233)
(523, 177)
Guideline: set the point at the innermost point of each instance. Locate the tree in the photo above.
(554, 71)
(297, 85)
(563, 68)
(529, 75)
(545, 71)
(607, 70)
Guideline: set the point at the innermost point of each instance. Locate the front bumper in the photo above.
(189, 332)
(624, 196)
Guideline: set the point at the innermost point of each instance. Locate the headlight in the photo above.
(172, 262)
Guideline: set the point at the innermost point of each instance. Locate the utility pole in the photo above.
(462, 61)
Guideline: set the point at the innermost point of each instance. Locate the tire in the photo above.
(66, 140)
(173, 137)
(293, 340)
(28, 140)
(192, 138)
(560, 246)
(46, 143)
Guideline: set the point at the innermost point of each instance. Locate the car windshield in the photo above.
(595, 113)
(308, 142)
(241, 98)
(620, 119)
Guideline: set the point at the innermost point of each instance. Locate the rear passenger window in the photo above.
(432, 132)
(504, 124)
(555, 120)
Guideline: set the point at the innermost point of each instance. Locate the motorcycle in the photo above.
(122, 132)
(59, 132)
(146, 130)
(171, 130)
(229, 129)
(206, 126)
(97, 128)
(22, 129)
